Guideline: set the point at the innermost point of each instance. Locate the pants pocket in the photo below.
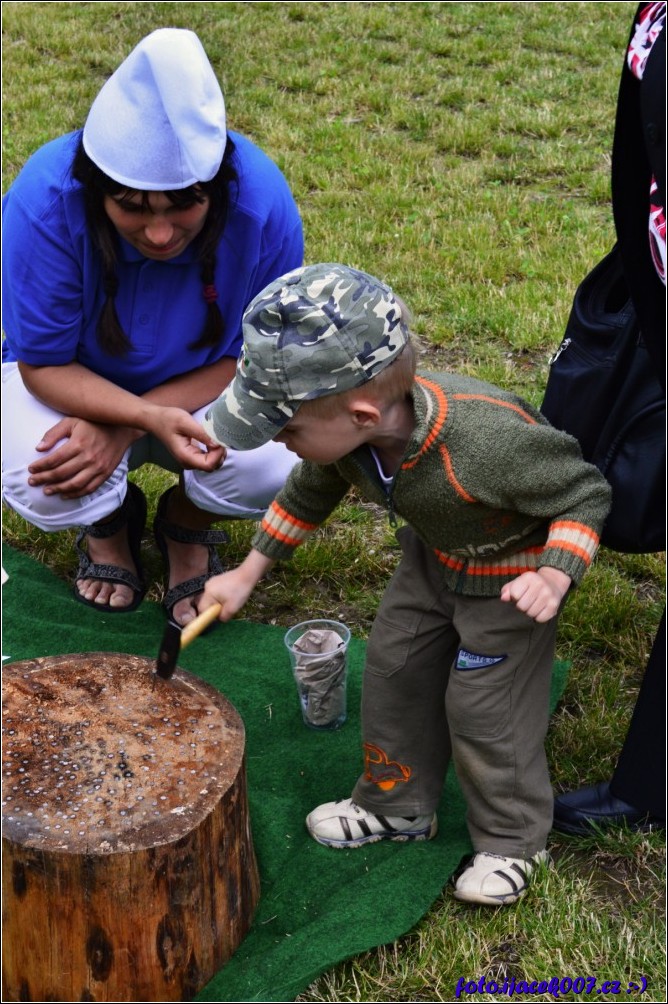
(388, 648)
(478, 712)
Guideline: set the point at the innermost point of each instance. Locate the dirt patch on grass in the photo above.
(636, 876)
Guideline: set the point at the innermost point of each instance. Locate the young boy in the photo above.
(503, 516)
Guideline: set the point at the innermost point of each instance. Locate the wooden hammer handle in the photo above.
(201, 622)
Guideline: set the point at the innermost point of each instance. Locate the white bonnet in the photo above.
(158, 124)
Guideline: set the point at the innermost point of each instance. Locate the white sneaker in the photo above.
(345, 824)
(495, 880)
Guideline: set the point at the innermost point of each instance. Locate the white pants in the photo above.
(242, 488)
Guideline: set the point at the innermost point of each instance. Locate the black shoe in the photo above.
(581, 812)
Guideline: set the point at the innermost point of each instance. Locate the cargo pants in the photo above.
(462, 677)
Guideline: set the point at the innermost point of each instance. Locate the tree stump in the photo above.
(128, 865)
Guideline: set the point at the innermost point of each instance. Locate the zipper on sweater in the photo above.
(370, 469)
(462, 579)
(391, 515)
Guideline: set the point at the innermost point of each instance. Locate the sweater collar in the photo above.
(430, 404)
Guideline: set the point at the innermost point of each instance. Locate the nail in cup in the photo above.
(319, 658)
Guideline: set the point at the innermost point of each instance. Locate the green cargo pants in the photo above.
(462, 677)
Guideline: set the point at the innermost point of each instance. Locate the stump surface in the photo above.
(125, 824)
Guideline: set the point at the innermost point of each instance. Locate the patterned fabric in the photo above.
(486, 482)
(651, 21)
(318, 330)
(657, 234)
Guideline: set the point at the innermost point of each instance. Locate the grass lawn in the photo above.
(461, 152)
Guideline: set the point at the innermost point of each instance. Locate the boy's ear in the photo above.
(363, 413)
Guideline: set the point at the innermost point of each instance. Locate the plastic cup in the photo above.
(319, 658)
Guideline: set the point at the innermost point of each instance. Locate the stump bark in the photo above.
(128, 865)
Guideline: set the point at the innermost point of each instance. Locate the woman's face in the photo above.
(159, 230)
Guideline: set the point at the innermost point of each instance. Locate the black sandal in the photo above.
(132, 514)
(163, 528)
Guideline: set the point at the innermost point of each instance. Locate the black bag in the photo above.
(602, 389)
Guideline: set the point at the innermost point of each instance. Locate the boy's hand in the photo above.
(232, 589)
(538, 594)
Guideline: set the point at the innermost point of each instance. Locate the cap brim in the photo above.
(243, 422)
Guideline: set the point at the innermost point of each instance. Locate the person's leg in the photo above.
(241, 489)
(640, 774)
(25, 421)
(404, 730)
(636, 795)
(410, 650)
(498, 707)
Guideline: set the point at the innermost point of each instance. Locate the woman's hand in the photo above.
(87, 455)
(538, 594)
(185, 439)
(85, 449)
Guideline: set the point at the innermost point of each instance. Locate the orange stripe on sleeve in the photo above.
(282, 537)
(567, 545)
(286, 517)
(566, 524)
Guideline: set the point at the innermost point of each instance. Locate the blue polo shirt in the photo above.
(52, 275)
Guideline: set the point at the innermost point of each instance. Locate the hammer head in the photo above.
(169, 651)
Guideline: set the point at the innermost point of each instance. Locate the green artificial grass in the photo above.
(318, 906)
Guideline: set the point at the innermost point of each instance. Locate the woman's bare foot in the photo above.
(113, 550)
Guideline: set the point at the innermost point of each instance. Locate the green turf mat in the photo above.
(317, 906)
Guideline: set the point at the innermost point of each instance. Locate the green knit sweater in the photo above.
(485, 482)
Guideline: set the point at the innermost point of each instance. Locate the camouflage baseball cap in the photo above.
(321, 329)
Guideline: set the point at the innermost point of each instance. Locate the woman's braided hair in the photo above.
(97, 185)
